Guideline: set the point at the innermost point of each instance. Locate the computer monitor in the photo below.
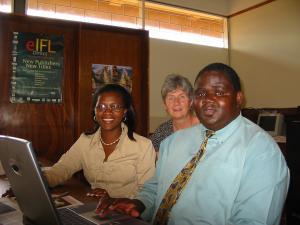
(271, 122)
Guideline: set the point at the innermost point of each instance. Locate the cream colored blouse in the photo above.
(125, 171)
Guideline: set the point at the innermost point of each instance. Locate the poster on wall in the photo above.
(37, 68)
(106, 74)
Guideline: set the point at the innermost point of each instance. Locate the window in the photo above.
(162, 21)
(5, 6)
(178, 24)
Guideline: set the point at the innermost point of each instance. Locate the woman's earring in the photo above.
(95, 119)
(124, 118)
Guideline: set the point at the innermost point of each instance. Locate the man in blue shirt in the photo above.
(242, 177)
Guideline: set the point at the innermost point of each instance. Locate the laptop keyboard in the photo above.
(69, 217)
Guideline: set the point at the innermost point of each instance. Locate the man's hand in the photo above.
(131, 207)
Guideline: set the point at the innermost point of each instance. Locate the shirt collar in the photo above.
(223, 134)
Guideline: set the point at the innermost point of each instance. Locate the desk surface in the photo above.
(75, 187)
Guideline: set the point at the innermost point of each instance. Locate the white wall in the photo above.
(174, 57)
(265, 51)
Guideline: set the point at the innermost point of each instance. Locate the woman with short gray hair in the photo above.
(177, 95)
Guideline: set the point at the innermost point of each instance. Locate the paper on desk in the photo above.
(4, 208)
(14, 217)
(65, 201)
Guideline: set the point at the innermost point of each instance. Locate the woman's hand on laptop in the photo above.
(98, 193)
(131, 207)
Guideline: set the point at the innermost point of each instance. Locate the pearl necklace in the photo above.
(114, 142)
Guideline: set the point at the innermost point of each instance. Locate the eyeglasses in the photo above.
(111, 107)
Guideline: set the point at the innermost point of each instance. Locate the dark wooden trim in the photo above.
(19, 6)
(145, 83)
(250, 8)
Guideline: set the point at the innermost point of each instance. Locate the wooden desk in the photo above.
(76, 188)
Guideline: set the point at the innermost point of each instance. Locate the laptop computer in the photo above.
(32, 193)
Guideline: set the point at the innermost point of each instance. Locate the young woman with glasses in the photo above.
(115, 160)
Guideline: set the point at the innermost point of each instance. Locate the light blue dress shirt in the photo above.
(242, 178)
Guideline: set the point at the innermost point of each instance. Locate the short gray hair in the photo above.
(175, 81)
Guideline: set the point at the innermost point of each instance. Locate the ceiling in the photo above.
(219, 7)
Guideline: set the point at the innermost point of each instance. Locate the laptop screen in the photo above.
(26, 180)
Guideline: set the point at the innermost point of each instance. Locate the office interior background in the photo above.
(261, 42)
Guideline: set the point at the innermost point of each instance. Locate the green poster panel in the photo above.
(37, 67)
